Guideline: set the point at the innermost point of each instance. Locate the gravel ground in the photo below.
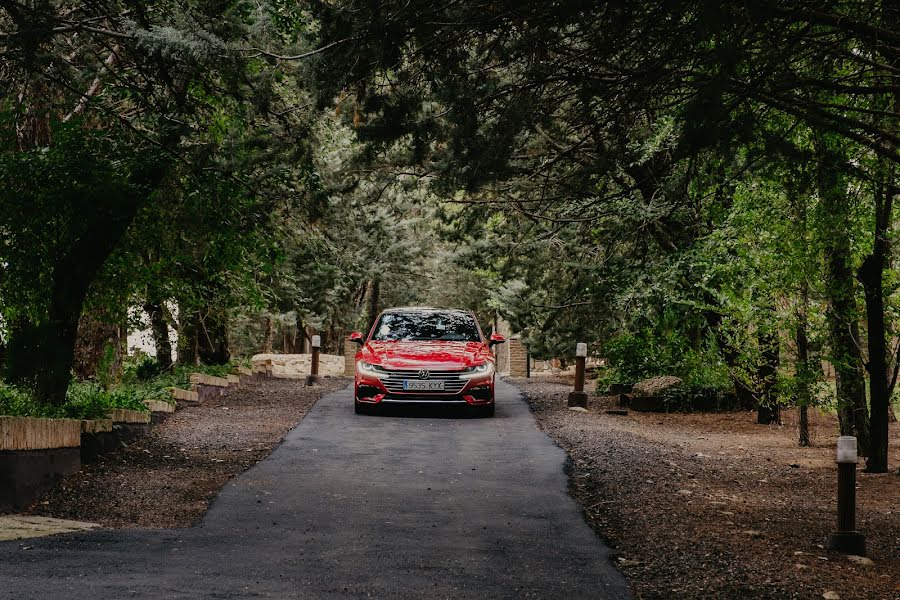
(716, 506)
(168, 478)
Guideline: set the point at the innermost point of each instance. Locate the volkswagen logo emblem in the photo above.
(424, 374)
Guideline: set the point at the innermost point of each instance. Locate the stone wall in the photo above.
(350, 350)
(296, 366)
(501, 351)
(34, 455)
(517, 358)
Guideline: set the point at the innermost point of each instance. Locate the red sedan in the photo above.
(425, 355)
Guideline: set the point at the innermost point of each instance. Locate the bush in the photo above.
(632, 358)
(16, 402)
(87, 400)
(91, 400)
(140, 366)
(84, 400)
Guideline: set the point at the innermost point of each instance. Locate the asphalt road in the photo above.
(405, 505)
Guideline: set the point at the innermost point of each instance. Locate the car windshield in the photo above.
(423, 326)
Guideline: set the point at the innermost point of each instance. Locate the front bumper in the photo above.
(372, 390)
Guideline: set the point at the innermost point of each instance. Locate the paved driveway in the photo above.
(408, 505)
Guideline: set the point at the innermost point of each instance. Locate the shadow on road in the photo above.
(419, 411)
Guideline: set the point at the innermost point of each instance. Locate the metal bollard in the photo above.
(314, 378)
(578, 397)
(847, 540)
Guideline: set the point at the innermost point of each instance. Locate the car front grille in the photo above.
(452, 383)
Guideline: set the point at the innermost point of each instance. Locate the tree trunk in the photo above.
(871, 274)
(159, 329)
(374, 292)
(270, 335)
(840, 291)
(212, 341)
(745, 395)
(804, 372)
(768, 410)
(188, 337)
(99, 349)
(41, 354)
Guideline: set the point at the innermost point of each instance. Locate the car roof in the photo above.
(413, 309)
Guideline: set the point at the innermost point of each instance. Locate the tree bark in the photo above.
(768, 410)
(212, 346)
(840, 291)
(99, 349)
(270, 335)
(41, 354)
(871, 275)
(188, 332)
(804, 373)
(745, 395)
(159, 329)
(374, 292)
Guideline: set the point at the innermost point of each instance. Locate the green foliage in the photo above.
(633, 357)
(88, 400)
(84, 400)
(18, 403)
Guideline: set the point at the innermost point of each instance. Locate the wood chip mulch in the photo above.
(169, 477)
(716, 506)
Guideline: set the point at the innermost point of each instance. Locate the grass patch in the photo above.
(141, 381)
(84, 400)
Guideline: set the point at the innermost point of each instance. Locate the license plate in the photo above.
(423, 386)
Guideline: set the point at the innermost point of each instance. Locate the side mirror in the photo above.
(356, 337)
(496, 338)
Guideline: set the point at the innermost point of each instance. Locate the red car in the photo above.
(425, 355)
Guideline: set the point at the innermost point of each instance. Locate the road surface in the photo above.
(404, 505)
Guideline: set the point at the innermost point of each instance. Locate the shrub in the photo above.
(16, 402)
(88, 400)
(632, 358)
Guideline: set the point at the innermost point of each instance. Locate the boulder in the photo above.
(655, 385)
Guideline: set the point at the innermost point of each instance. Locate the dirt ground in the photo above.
(169, 477)
(716, 506)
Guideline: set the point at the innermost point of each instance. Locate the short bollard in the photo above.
(847, 540)
(314, 378)
(578, 397)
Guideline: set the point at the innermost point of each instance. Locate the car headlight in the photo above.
(482, 370)
(370, 369)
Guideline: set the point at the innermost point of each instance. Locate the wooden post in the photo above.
(314, 378)
(528, 360)
(578, 397)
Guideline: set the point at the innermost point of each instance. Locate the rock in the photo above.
(830, 595)
(753, 533)
(655, 385)
(860, 560)
(684, 492)
(577, 409)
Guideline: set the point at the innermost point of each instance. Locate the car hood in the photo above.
(409, 355)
